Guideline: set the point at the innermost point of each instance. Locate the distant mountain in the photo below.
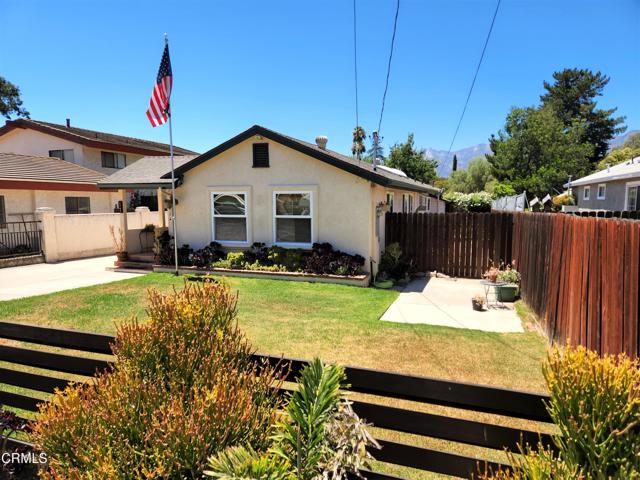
(464, 155)
(619, 140)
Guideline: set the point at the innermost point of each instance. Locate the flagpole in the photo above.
(173, 184)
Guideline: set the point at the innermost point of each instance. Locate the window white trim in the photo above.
(392, 196)
(586, 192)
(311, 218)
(627, 186)
(247, 203)
(407, 203)
(604, 194)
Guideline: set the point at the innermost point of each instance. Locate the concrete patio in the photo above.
(447, 302)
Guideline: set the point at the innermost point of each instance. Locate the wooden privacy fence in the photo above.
(457, 244)
(374, 388)
(580, 275)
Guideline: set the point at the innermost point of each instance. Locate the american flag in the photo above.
(158, 112)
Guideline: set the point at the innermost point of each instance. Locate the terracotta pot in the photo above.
(492, 277)
(478, 306)
(122, 256)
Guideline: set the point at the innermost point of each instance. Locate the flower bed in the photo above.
(320, 264)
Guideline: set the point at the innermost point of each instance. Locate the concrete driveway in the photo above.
(447, 302)
(41, 278)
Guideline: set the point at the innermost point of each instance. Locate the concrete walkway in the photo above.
(41, 278)
(447, 302)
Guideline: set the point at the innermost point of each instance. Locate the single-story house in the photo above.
(616, 188)
(28, 182)
(263, 186)
(99, 151)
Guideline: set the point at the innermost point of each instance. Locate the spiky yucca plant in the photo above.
(319, 438)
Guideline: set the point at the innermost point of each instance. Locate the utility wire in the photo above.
(475, 76)
(386, 85)
(355, 59)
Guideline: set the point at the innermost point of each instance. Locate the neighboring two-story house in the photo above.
(616, 188)
(40, 142)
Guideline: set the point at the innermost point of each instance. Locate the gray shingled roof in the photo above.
(625, 170)
(144, 173)
(83, 135)
(33, 168)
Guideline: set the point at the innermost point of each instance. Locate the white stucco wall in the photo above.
(31, 142)
(343, 203)
(26, 201)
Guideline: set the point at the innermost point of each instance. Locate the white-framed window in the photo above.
(77, 205)
(293, 218)
(602, 191)
(586, 193)
(390, 201)
(113, 160)
(407, 203)
(229, 211)
(632, 202)
(66, 155)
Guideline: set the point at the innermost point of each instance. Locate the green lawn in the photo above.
(336, 323)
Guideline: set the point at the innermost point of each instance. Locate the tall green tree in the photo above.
(10, 101)
(536, 152)
(572, 96)
(474, 179)
(375, 153)
(412, 161)
(455, 163)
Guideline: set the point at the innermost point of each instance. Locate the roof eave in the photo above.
(140, 186)
(72, 137)
(312, 152)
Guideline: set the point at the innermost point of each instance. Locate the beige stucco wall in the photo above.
(30, 142)
(78, 236)
(26, 201)
(342, 203)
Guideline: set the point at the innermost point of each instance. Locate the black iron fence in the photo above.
(20, 238)
(397, 405)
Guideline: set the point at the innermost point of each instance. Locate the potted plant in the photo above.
(119, 243)
(508, 292)
(477, 302)
(492, 274)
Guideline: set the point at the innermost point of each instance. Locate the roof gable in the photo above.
(360, 169)
(93, 138)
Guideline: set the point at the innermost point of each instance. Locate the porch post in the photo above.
(123, 215)
(162, 220)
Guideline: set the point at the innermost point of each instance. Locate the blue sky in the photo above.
(288, 65)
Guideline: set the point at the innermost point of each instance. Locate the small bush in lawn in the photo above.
(595, 402)
(183, 387)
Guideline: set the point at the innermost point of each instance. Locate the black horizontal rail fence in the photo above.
(457, 244)
(509, 403)
(20, 238)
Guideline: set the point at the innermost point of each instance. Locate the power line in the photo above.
(386, 85)
(355, 59)
(466, 103)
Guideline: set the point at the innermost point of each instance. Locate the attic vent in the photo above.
(260, 155)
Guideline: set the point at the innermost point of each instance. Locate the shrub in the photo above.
(595, 402)
(206, 256)
(469, 202)
(393, 264)
(320, 436)
(325, 260)
(183, 387)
